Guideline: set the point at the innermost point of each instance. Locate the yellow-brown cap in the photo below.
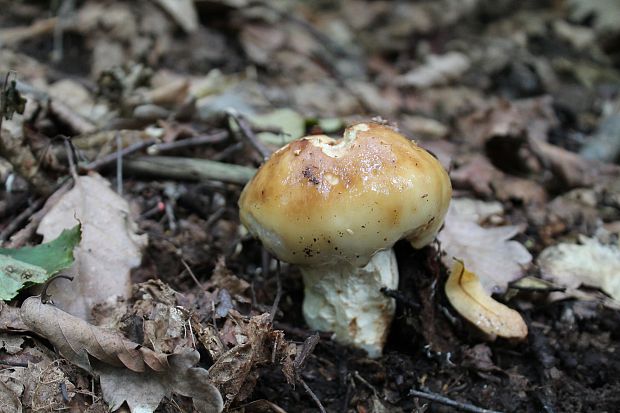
(319, 200)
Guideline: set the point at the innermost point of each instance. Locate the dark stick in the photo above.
(276, 301)
(119, 165)
(189, 142)
(112, 157)
(449, 402)
(226, 152)
(192, 275)
(19, 238)
(250, 136)
(312, 395)
(18, 220)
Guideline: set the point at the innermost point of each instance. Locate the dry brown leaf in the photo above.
(10, 319)
(531, 118)
(235, 372)
(109, 249)
(465, 293)
(128, 371)
(36, 387)
(488, 252)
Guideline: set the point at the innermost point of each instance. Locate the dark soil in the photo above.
(570, 361)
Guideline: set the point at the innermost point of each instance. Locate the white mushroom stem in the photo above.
(348, 301)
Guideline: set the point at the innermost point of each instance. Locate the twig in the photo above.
(108, 159)
(188, 142)
(449, 402)
(119, 165)
(24, 234)
(19, 220)
(70, 154)
(249, 135)
(299, 363)
(276, 301)
(189, 169)
(226, 152)
(312, 395)
(358, 376)
(191, 274)
(214, 217)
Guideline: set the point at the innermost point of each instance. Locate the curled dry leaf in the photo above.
(128, 371)
(109, 249)
(589, 263)
(465, 293)
(488, 252)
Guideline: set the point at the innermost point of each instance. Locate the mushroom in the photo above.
(335, 208)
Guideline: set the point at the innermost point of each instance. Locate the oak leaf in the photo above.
(128, 371)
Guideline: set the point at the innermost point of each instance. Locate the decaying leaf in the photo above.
(128, 371)
(235, 372)
(588, 263)
(438, 70)
(487, 252)
(9, 398)
(26, 266)
(110, 247)
(465, 293)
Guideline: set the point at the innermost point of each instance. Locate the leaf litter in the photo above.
(109, 249)
(128, 371)
(488, 252)
(507, 95)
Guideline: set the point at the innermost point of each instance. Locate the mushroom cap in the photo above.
(320, 200)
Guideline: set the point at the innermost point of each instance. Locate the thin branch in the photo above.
(119, 165)
(19, 238)
(276, 301)
(189, 169)
(312, 395)
(112, 157)
(449, 402)
(191, 274)
(188, 142)
(16, 222)
(249, 135)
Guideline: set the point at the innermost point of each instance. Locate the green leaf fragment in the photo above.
(15, 274)
(26, 266)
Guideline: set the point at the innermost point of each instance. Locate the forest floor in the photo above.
(519, 100)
